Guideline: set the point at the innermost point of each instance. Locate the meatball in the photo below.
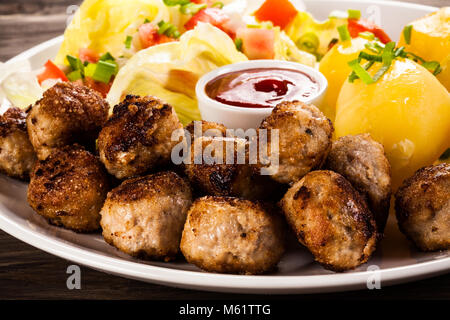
(144, 217)
(66, 114)
(362, 161)
(422, 206)
(230, 235)
(17, 155)
(138, 136)
(304, 139)
(207, 129)
(212, 175)
(331, 219)
(69, 188)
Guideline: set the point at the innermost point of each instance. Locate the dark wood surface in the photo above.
(28, 273)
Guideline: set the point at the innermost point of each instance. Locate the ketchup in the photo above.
(261, 88)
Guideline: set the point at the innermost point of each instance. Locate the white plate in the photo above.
(396, 259)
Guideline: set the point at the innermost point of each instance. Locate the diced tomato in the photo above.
(51, 71)
(355, 27)
(88, 55)
(279, 12)
(102, 88)
(257, 43)
(208, 2)
(214, 16)
(148, 35)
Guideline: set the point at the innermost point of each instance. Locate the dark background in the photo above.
(28, 273)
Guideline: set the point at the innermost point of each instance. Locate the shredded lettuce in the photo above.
(170, 71)
(325, 31)
(103, 25)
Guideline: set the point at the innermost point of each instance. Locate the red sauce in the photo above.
(261, 88)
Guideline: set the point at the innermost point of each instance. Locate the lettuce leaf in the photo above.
(170, 71)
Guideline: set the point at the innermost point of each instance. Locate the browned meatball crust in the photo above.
(17, 155)
(362, 161)
(214, 178)
(331, 219)
(138, 136)
(144, 217)
(422, 206)
(66, 114)
(230, 235)
(304, 139)
(69, 188)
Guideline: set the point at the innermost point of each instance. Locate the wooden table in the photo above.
(29, 273)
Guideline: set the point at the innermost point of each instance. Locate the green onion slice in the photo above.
(171, 3)
(104, 71)
(217, 5)
(238, 42)
(354, 14)
(407, 33)
(75, 75)
(128, 42)
(192, 8)
(367, 35)
(107, 57)
(308, 42)
(344, 34)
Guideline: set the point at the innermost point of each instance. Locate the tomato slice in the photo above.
(257, 43)
(102, 88)
(355, 27)
(148, 35)
(214, 16)
(51, 71)
(88, 55)
(279, 12)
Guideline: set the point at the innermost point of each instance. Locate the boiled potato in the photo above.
(335, 68)
(407, 110)
(430, 40)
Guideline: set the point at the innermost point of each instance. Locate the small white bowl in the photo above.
(245, 118)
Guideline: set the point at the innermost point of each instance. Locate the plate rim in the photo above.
(213, 281)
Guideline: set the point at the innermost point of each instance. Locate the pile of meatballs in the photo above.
(90, 171)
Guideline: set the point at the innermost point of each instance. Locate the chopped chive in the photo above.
(75, 75)
(407, 33)
(387, 58)
(369, 57)
(445, 155)
(344, 34)
(146, 21)
(433, 66)
(217, 5)
(367, 35)
(128, 42)
(360, 72)
(238, 42)
(192, 8)
(354, 14)
(104, 71)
